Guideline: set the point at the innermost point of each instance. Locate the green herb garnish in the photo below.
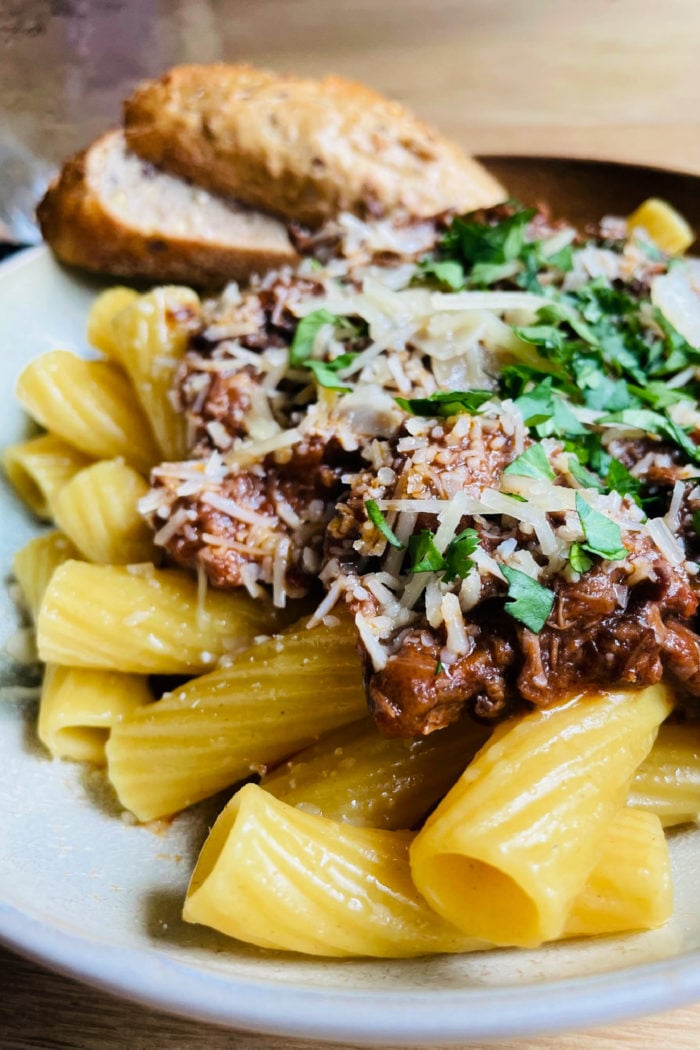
(547, 413)
(532, 463)
(619, 479)
(445, 403)
(476, 242)
(458, 562)
(455, 563)
(579, 560)
(326, 372)
(528, 601)
(424, 555)
(306, 331)
(602, 536)
(586, 478)
(449, 273)
(379, 521)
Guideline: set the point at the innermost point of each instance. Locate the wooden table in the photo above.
(606, 78)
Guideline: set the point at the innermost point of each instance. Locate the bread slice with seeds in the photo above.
(113, 212)
(304, 149)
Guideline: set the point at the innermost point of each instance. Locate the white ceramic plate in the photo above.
(95, 897)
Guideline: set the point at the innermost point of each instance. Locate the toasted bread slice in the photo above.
(304, 149)
(113, 212)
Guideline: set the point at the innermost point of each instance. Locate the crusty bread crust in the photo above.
(304, 149)
(84, 229)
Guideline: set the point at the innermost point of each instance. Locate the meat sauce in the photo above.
(304, 503)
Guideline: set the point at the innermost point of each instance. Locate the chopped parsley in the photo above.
(491, 252)
(326, 372)
(528, 601)
(579, 560)
(305, 335)
(448, 273)
(546, 412)
(585, 478)
(458, 562)
(619, 479)
(424, 555)
(532, 463)
(445, 403)
(602, 536)
(455, 563)
(379, 521)
(474, 242)
(613, 475)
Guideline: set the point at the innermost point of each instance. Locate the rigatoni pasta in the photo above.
(98, 510)
(514, 841)
(282, 878)
(34, 565)
(215, 730)
(143, 620)
(668, 781)
(152, 333)
(100, 320)
(38, 468)
(358, 776)
(629, 887)
(78, 707)
(90, 405)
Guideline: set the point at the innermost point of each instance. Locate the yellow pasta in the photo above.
(281, 878)
(668, 781)
(143, 620)
(357, 775)
(79, 706)
(38, 468)
(664, 224)
(151, 336)
(513, 842)
(100, 323)
(97, 509)
(34, 565)
(90, 404)
(274, 876)
(630, 886)
(215, 730)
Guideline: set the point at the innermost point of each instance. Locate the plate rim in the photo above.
(323, 1013)
(436, 1016)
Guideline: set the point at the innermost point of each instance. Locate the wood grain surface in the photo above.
(614, 79)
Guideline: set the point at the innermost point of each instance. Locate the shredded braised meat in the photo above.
(253, 511)
(327, 464)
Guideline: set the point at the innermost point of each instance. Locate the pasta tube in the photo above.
(630, 886)
(151, 336)
(513, 842)
(282, 878)
(34, 565)
(97, 509)
(357, 775)
(664, 224)
(78, 707)
(100, 326)
(90, 404)
(139, 619)
(668, 781)
(38, 468)
(274, 876)
(212, 732)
